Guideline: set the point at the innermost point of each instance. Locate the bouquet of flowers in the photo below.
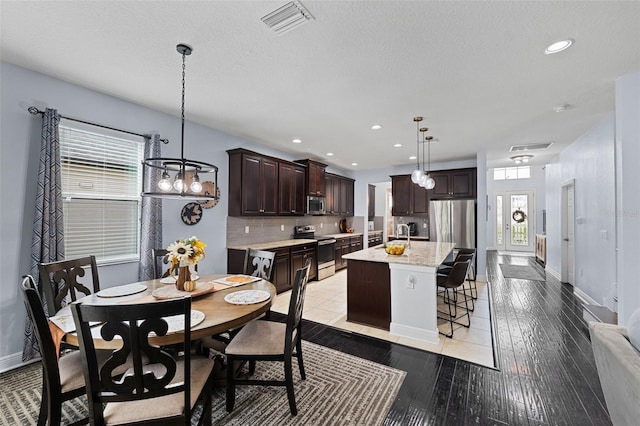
(186, 252)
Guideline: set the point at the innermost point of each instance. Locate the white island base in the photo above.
(414, 302)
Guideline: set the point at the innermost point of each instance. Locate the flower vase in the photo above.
(184, 274)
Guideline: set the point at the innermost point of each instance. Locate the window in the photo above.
(520, 172)
(101, 181)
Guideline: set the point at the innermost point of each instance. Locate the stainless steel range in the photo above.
(326, 251)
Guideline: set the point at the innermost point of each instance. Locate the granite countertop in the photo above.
(343, 234)
(421, 253)
(273, 244)
(413, 237)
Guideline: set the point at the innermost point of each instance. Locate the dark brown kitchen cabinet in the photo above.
(299, 256)
(315, 184)
(339, 195)
(253, 184)
(291, 189)
(282, 272)
(375, 238)
(343, 246)
(454, 184)
(409, 199)
(355, 243)
(371, 201)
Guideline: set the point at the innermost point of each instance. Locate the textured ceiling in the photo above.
(475, 70)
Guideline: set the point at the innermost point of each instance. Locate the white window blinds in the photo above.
(101, 181)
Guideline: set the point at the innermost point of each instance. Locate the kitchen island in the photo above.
(396, 293)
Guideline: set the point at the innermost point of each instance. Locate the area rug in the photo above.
(521, 272)
(339, 389)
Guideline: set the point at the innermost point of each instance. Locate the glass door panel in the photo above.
(520, 221)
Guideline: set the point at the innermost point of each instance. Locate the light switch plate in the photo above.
(246, 229)
(282, 227)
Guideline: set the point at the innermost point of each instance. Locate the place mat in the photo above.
(171, 292)
(176, 322)
(236, 280)
(247, 297)
(172, 280)
(122, 290)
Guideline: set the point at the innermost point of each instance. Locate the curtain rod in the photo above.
(35, 111)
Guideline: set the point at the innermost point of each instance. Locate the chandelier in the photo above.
(417, 174)
(427, 181)
(188, 175)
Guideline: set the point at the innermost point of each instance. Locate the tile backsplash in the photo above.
(420, 220)
(267, 229)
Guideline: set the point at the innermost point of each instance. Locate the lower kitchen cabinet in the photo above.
(346, 245)
(282, 274)
(299, 256)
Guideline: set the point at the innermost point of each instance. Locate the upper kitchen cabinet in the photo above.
(454, 184)
(315, 177)
(291, 189)
(339, 195)
(371, 201)
(253, 184)
(409, 199)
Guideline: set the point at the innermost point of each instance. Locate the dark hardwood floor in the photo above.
(545, 372)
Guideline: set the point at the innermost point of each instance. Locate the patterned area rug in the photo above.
(521, 272)
(339, 389)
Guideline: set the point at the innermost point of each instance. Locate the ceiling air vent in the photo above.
(286, 18)
(516, 148)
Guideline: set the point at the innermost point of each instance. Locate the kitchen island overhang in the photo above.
(412, 289)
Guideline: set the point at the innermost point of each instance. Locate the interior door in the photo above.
(571, 235)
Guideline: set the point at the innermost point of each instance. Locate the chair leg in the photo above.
(252, 367)
(44, 406)
(300, 362)
(288, 376)
(231, 386)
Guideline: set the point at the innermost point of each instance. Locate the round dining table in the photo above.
(220, 315)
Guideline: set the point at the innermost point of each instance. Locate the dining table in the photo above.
(220, 315)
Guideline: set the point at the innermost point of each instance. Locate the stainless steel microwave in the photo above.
(316, 205)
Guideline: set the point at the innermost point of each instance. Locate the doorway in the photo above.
(515, 221)
(568, 221)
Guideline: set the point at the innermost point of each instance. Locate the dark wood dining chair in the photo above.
(161, 267)
(260, 263)
(454, 283)
(270, 341)
(59, 281)
(62, 379)
(158, 389)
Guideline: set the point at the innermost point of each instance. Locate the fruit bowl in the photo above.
(395, 249)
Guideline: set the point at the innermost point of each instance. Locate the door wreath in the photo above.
(518, 216)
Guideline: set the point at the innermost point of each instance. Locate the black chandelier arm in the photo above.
(35, 111)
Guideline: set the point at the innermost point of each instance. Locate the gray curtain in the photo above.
(151, 215)
(47, 243)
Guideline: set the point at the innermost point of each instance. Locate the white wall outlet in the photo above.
(321, 225)
(411, 282)
(282, 228)
(335, 224)
(246, 229)
(424, 225)
(604, 235)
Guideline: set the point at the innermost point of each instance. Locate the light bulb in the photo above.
(416, 176)
(196, 186)
(178, 184)
(429, 183)
(165, 183)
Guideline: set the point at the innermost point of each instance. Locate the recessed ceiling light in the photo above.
(354, 164)
(558, 46)
(561, 107)
(329, 154)
(297, 141)
(376, 127)
(413, 157)
(397, 145)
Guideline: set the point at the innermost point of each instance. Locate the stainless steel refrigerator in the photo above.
(453, 221)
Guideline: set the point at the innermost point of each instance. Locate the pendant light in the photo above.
(417, 173)
(156, 177)
(427, 181)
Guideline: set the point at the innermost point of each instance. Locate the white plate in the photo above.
(176, 322)
(122, 290)
(247, 297)
(236, 280)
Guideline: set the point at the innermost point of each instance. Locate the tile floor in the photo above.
(326, 303)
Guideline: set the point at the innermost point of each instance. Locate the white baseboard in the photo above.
(9, 362)
(584, 297)
(555, 274)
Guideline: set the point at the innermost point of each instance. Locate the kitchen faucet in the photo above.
(401, 226)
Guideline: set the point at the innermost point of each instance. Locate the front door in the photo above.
(515, 221)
